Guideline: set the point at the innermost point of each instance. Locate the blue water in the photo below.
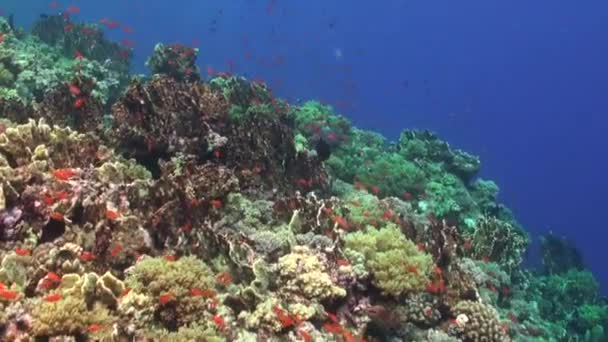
(521, 83)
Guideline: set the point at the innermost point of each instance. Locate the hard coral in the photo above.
(175, 60)
(478, 322)
(394, 261)
(302, 272)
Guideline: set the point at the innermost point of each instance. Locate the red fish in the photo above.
(114, 252)
(111, 215)
(80, 102)
(208, 293)
(53, 297)
(95, 327)
(170, 258)
(68, 27)
(64, 174)
(62, 195)
(54, 4)
(165, 298)
(341, 221)
(127, 29)
(219, 322)
(87, 256)
(22, 252)
(74, 90)
(284, 318)
(57, 216)
(216, 203)
(78, 55)
(8, 294)
(224, 278)
(73, 10)
(128, 42)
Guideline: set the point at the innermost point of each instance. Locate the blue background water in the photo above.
(521, 83)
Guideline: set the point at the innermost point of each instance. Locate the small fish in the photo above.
(305, 335)
(111, 215)
(284, 318)
(341, 221)
(219, 322)
(208, 293)
(74, 89)
(73, 10)
(125, 291)
(114, 252)
(216, 203)
(78, 55)
(95, 327)
(22, 252)
(2, 286)
(412, 269)
(224, 279)
(342, 262)
(87, 256)
(68, 27)
(333, 328)
(62, 195)
(53, 297)
(54, 4)
(5, 294)
(53, 277)
(64, 174)
(170, 258)
(57, 216)
(127, 29)
(375, 189)
(217, 154)
(79, 103)
(165, 298)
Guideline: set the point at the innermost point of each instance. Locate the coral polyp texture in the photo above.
(174, 208)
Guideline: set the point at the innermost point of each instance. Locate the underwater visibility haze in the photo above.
(273, 170)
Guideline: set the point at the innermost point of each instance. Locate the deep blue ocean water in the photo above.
(523, 84)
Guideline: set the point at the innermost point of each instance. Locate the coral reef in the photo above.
(185, 209)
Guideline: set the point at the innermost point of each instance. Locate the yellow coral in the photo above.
(302, 272)
(67, 316)
(395, 262)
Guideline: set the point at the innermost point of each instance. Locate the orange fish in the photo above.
(216, 203)
(64, 174)
(165, 298)
(22, 252)
(125, 291)
(53, 298)
(87, 256)
(412, 269)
